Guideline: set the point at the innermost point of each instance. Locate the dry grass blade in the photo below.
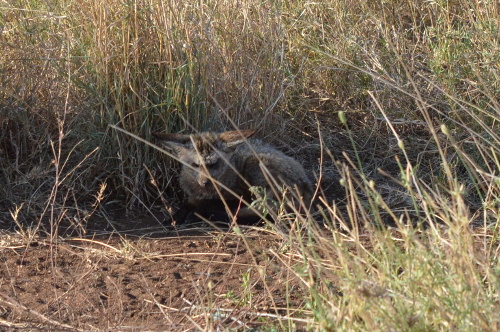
(7, 300)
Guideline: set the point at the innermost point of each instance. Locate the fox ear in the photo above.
(233, 138)
(176, 142)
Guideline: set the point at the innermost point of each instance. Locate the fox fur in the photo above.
(223, 166)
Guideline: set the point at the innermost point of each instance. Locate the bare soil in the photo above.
(149, 278)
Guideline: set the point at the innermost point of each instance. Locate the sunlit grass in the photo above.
(410, 187)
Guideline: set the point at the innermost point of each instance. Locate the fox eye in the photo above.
(214, 164)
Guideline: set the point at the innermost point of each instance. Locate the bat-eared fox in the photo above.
(220, 169)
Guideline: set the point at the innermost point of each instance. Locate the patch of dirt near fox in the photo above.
(136, 283)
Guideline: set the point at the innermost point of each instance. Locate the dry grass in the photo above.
(394, 106)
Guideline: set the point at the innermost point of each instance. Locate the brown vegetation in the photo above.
(393, 106)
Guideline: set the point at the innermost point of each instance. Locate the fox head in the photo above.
(205, 156)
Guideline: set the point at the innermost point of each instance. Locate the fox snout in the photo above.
(203, 179)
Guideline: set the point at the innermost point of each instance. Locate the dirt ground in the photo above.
(149, 278)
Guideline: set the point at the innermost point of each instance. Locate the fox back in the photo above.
(225, 165)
